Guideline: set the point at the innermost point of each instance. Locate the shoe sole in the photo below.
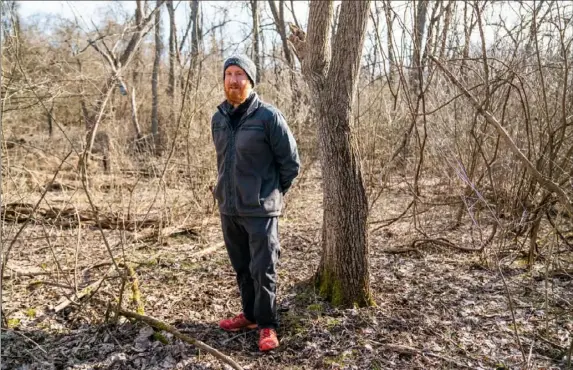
(268, 349)
(248, 327)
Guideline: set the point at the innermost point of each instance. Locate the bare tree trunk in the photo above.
(172, 51)
(449, 10)
(155, 79)
(343, 274)
(256, 38)
(390, 36)
(278, 16)
(468, 29)
(419, 28)
(195, 31)
(136, 73)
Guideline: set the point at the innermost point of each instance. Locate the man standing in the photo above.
(257, 161)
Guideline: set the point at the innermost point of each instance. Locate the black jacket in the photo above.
(257, 159)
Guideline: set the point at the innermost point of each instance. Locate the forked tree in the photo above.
(332, 75)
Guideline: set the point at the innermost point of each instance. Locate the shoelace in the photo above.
(265, 333)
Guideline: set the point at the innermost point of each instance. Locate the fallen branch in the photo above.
(92, 288)
(170, 329)
(70, 218)
(207, 250)
(37, 271)
(416, 244)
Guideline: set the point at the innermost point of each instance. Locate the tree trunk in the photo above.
(172, 51)
(278, 16)
(195, 32)
(419, 28)
(343, 273)
(390, 40)
(136, 73)
(155, 79)
(256, 38)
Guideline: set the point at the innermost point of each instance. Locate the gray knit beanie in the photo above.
(245, 63)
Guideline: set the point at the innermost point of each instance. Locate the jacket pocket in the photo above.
(249, 191)
(273, 202)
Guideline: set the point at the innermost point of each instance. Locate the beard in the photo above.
(235, 95)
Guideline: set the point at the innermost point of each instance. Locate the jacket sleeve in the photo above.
(285, 151)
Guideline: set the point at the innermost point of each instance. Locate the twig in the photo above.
(25, 337)
(509, 299)
(392, 220)
(170, 329)
(561, 348)
(233, 337)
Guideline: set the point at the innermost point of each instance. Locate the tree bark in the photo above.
(390, 41)
(419, 30)
(172, 50)
(343, 273)
(256, 38)
(155, 78)
(136, 73)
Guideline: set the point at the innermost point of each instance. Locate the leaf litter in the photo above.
(436, 308)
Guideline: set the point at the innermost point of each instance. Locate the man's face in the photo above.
(237, 85)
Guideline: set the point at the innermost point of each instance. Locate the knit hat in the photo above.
(245, 63)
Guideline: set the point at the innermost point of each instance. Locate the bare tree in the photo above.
(256, 37)
(343, 274)
(136, 73)
(279, 19)
(172, 50)
(390, 16)
(155, 78)
(419, 29)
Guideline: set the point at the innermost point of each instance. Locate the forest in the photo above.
(430, 226)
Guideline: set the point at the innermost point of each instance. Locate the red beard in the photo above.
(235, 95)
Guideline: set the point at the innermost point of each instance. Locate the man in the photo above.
(257, 161)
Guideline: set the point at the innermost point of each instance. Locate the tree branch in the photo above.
(542, 180)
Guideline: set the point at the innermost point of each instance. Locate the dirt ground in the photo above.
(437, 307)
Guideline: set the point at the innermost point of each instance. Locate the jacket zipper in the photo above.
(231, 155)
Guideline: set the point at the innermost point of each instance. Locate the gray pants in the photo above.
(253, 247)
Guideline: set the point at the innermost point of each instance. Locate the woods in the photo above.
(430, 226)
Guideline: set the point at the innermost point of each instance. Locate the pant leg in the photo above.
(265, 252)
(237, 244)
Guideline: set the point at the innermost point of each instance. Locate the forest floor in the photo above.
(437, 307)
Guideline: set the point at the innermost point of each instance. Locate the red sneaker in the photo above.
(236, 323)
(268, 339)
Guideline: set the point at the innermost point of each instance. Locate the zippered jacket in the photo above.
(257, 160)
